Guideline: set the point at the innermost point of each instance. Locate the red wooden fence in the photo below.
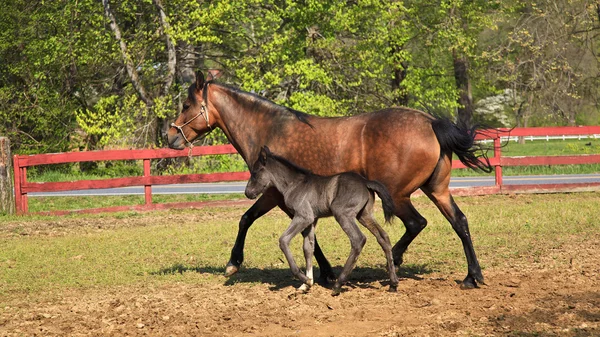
(22, 187)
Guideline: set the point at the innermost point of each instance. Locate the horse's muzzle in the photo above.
(175, 141)
(250, 194)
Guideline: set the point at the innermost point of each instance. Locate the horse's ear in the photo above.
(213, 74)
(199, 80)
(264, 153)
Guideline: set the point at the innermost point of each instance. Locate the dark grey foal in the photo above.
(346, 196)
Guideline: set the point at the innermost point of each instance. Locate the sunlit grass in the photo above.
(41, 254)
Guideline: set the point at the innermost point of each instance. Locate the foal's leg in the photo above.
(309, 248)
(326, 275)
(368, 220)
(298, 224)
(264, 204)
(357, 242)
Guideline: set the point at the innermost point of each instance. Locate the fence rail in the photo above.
(22, 162)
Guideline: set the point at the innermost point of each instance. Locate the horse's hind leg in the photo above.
(309, 248)
(459, 223)
(368, 220)
(357, 242)
(438, 191)
(414, 224)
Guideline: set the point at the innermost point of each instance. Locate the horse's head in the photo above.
(196, 118)
(260, 177)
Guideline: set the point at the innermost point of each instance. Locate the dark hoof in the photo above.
(336, 291)
(479, 279)
(327, 278)
(468, 285)
(470, 282)
(393, 288)
(231, 269)
(398, 262)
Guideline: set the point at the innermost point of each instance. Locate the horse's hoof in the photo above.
(231, 269)
(304, 288)
(398, 260)
(337, 289)
(479, 279)
(327, 278)
(393, 288)
(468, 283)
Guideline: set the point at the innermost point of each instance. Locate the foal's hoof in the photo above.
(304, 288)
(393, 288)
(231, 269)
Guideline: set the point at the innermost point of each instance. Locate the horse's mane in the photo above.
(290, 164)
(253, 100)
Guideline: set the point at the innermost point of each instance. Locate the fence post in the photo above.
(498, 154)
(7, 197)
(147, 188)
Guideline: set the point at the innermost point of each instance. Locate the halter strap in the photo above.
(203, 112)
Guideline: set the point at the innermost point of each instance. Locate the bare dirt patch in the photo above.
(550, 288)
(521, 299)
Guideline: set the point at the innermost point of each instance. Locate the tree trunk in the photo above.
(463, 83)
(401, 96)
(7, 197)
(131, 70)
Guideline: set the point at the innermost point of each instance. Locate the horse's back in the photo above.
(401, 149)
(396, 146)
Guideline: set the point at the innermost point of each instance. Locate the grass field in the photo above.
(122, 248)
(160, 273)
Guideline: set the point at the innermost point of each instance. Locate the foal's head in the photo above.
(260, 177)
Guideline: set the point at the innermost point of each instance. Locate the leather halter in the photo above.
(203, 112)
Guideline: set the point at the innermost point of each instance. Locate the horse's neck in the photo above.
(237, 121)
(284, 177)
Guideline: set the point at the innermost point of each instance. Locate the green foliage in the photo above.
(110, 120)
(64, 84)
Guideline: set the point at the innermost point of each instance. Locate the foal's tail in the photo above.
(461, 140)
(386, 199)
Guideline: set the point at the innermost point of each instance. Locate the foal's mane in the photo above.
(253, 100)
(290, 164)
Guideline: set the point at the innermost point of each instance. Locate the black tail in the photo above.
(386, 198)
(461, 141)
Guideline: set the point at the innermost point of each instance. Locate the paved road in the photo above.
(238, 187)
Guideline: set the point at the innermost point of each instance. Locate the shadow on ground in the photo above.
(282, 277)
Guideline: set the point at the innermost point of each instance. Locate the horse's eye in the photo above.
(186, 106)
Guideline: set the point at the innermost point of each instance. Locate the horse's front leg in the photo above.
(309, 248)
(299, 223)
(264, 204)
(326, 275)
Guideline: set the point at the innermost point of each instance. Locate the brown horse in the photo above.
(402, 148)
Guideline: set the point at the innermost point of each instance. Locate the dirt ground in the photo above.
(525, 298)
